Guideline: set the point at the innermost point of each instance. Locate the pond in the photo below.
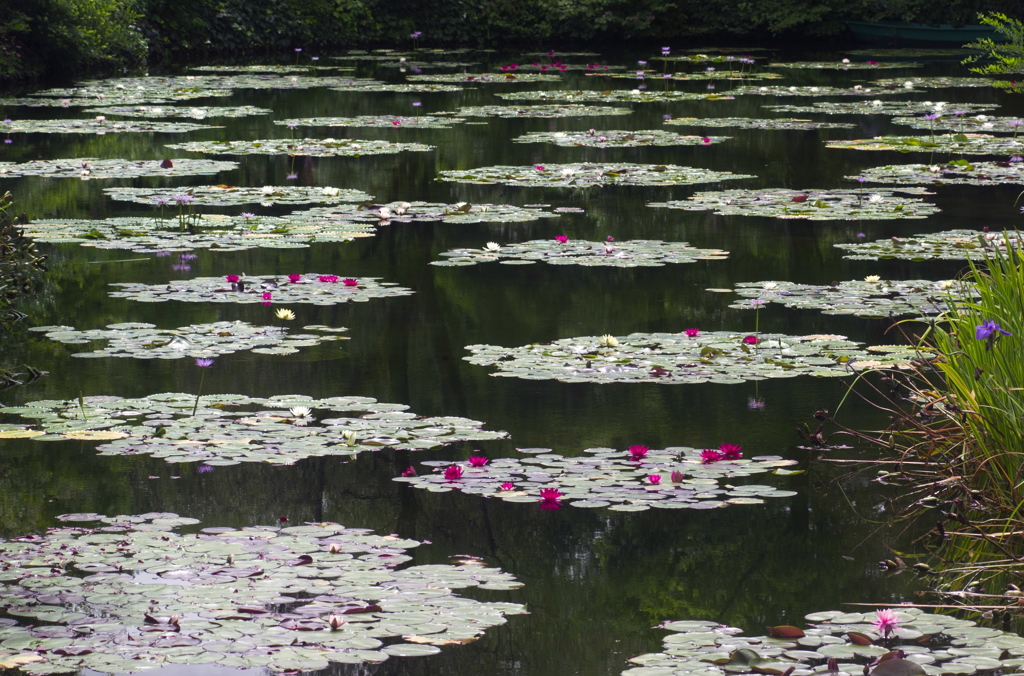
(360, 254)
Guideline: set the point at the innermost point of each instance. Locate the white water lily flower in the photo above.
(331, 192)
(846, 61)
(872, 279)
(301, 411)
(935, 168)
(492, 246)
(268, 190)
(856, 87)
(876, 103)
(350, 437)
(944, 284)
(908, 84)
(876, 199)
(986, 125)
(609, 340)
(402, 208)
(940, 105)
(384, 213)
(768, 286)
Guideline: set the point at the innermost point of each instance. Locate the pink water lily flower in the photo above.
(328, 278)
(267, 295)
(232, 278)
(409, 471)
(677, 476)
(540, 167)
(350, 282)
(477, 461)
(507, 486)
(453, 473)
(294, 279)
(692, 333)
(561, 239)
(550, 498)
(751, 340)
(637, 453)
(886, 621)
(730, 451)
(654, 479)
(709, 456)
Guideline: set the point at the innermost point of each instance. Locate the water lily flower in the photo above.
(282, 313)
(876, 199)
(677, 476)
(350, 437)
(709, 455)
(561, 239)
(477, 461)
(417, 104)
(267, 295)
(706, 141)
(247, 215)
(609, 340)
(539, 167)
(348, 281)
(294, 279)
(300, 411)
(731, 451)
(183, 199)
(204, 469)
(989, 330)
(328, 278)
(654, 479)
(750, 340)
(335, 622)
(204, 362)
(292, 176)
(609, 238)
(550, 498)
(886, 621)
(872, 279)
(692, 333)
(492, 246)
(507, 486)
(453, 473)
(846, 61)
(637, 453)
(944, 284)
(409, 471)
(755, 403)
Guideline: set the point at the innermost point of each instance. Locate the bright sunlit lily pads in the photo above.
(584, 175)
(812, 205)
(627, 254)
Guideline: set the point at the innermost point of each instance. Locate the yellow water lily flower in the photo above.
(283, 313)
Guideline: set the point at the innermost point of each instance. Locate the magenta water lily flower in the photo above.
(232, 279)
(731, 451)
(710, 455)
(692, 333)
(751, 340)
(654, 479)
(294, 279)
(561, 239)
(267, 295)
(409, 471)
(477, 461)
(453, 473)
(507, 486)
(637, 453)
(886, 621)
(677, 476)
(550, 498)
(350, 282)
(328, 278)
(539, 167)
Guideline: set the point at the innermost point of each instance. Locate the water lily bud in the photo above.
(335, 621)
(335, 549)
(350, 437)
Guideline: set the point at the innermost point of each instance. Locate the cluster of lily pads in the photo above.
(326, 147)
(971, 144)
(933, 81)
(91, 168)
(627, 254)
(404, 212)
(475, 78)
(813, 205)
(677, 477)
(844, 64)
(99, 125)
(959, 171)
(567, 110)
(228, 429)
(582, 175)
(385, 121)
(957, 121)
(611, 96)
(948, 245)
(808, 90)
(128, 593)
(870, 297)
(616, 139)
(313, 288)
(230, 195)
(880, 107)
(783, 123)
(690, 357)
(146, 341)
(930, 644)
(193, 112)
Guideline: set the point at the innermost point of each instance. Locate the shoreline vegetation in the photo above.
(77, 38)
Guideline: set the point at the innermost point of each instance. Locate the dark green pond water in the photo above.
(596, 581)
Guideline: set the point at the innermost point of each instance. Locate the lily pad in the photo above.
(229, 195)
(959, 122)
(929, 82)
(123, 97)
(410, 88)
(585, 175)
(569, 110)
(627, 254)
(98, 126)
(871, 297)
(406, 212)
(948, 245)
(228, 429)
(709, 74)
(605, 477)
(327, 147)
(384, 121)
(616, 139)
(845, 64)
(671, 358)
(157, 86)
(812, 205)
(707, 58)
(191, 112)
(610, 96)
(312, 288)
(146, 341)
(700, 647)
(783, 123)
(812, 90)
(960, 172)
(87, 168)
(970, 143)
(474, 78)
(880, 107)
(235, 598)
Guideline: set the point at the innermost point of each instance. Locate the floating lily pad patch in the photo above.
(156, 85)
(708, 74)
(845, 65)
(116, 97)
(616, 139)
(258, 68)
(91, 168)
(807, 90)
(933, 82)
(709, 58)
(568, 110)
(812, 205)
(627, 254)
(405, 212)
(403, 63)
(782, 123)
(880, 107)
(583, 175)
(384, 121)
(228, 429)
(675, 478)
(957, 121)
(280, 599)
(328, 147)
(207, 231)
(870, 297)
(99, 125)
(191, 112)
(610, 96)
(670, 358)
(312, 288)
(229, 195)
(970, 143)
(408, 88)
(928, 644)
(948, 245)
(146, 341)
(960, 172)
(482, 78)
(41, 102)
